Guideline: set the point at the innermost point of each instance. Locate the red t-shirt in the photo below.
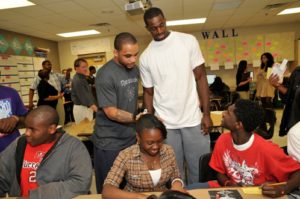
(262, 161)
(32, 159)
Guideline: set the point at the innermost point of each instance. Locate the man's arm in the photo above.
(148, 99)
(203, 93)
(31, 94)
(225, 181)
(7, 168)
(7, 125)
(280, 190)
(119, 115)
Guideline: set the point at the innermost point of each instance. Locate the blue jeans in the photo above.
(103, 161)
(199, 185)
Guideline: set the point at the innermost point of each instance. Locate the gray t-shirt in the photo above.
(116, 86)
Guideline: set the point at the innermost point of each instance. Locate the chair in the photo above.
(266, 129)
(214, 135)
(206, 173)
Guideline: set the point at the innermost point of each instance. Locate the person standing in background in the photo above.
(82, 97)
(117, 93)
(174, 79)
(48, 95)
(68, 103)
(55, 79)
(243, 79)
(12, 112)
(91, 80)
(264, 90)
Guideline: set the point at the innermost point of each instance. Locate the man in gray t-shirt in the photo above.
(117, 93)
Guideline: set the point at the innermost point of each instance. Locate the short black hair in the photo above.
(49, 114)
(43, 74)
(172, 194)
(152, 12)
(124, 38)
(149, 121)
(46, 61)
(78, 61)
(249, 113)
(92, 68)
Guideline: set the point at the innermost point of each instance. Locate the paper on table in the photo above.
(252, 190)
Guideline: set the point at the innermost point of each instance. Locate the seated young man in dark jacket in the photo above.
(45, 163)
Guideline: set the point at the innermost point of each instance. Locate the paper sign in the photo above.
(228, 65)
(214, 66)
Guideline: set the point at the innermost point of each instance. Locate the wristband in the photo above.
(178, 179)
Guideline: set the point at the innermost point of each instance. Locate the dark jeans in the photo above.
(103, 161)
(69, 117)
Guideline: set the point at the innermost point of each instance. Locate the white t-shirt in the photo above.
(168, 67)
(293, 142)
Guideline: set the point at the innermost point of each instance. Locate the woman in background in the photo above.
(264, 90)
(48, 95)
(243, 79)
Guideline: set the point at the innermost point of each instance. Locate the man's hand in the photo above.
(274, 80)
(94, 108)
(7, 125)
(206, 123)
(273, 191)
(30, 106)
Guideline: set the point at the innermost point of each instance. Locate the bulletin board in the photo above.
(281, 45)
(249, 48)
(220, 51)
(228, 51)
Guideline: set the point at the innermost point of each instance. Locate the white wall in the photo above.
(67, 59)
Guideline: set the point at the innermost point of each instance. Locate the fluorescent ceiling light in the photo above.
(6, 4)
(186, 22)
(289, 11)
(79, 33)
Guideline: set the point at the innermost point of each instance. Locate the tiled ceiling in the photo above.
(49, 17)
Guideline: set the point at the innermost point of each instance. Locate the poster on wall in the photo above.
(16, 46)
(280, 45)
(220, 51)
(28, 46)
(4, 45)
(249, 48)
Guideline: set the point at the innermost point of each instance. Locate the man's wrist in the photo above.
(16, 118)
(133, 117)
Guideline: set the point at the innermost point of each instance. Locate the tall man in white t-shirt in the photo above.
(174, 79)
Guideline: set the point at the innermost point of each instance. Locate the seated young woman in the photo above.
(147, 166)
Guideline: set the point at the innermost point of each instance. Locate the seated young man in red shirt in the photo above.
(45, 163)
(243, 158)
